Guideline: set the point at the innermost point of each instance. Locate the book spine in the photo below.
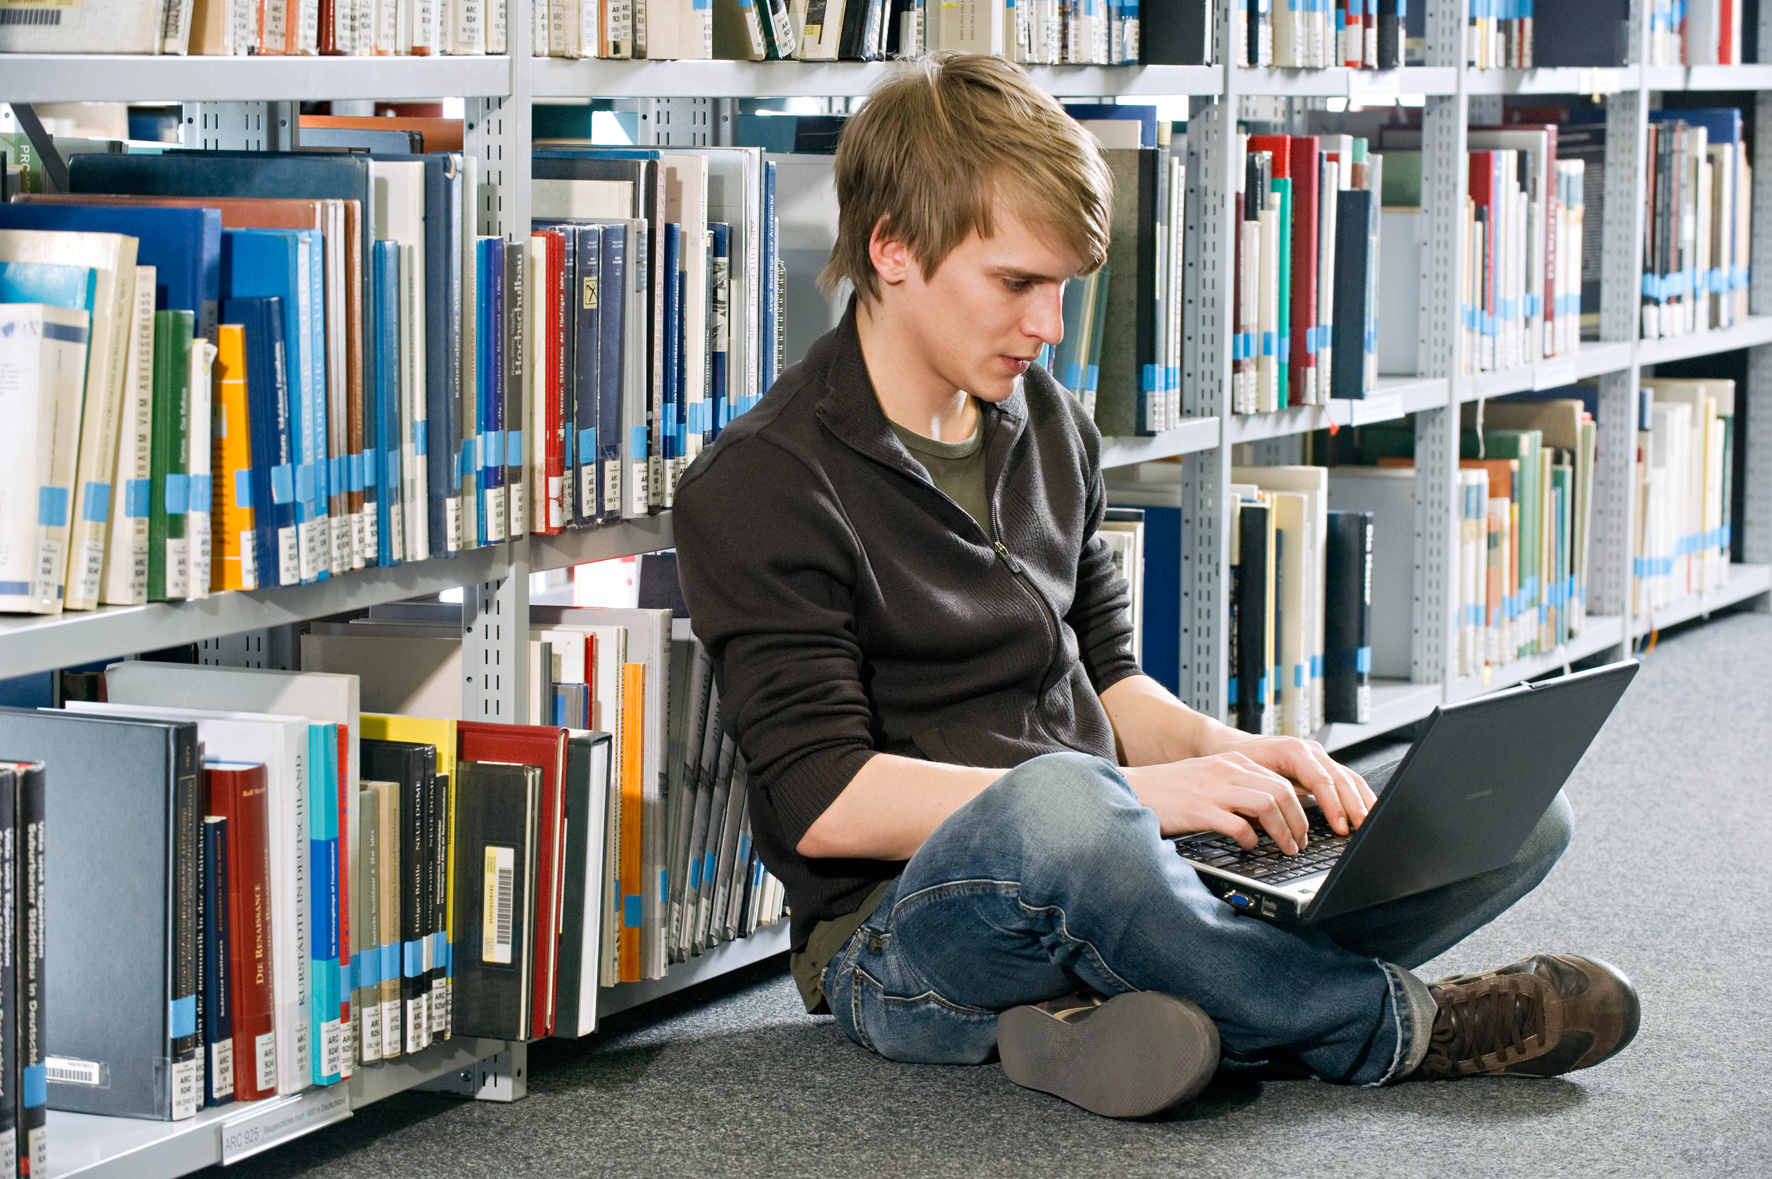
(584, 310)
(183, 1028)
(559, 411)
(438, 924)
(612, 368)
(416, 1020)
(218, 1011)
(323, 904)
(390, 884)
(11, 945)
(125, 578)
(515, 342)
(33, 1097)
(368, 959)
(338, 756)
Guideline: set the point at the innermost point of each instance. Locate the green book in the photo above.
(169, 485)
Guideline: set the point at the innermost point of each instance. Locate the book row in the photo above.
(295, 366)
(1683, 484)
(1697, 222)
(294, 889)
(1305, 302)
(258, 27)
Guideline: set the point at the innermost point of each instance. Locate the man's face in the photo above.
(984, 314)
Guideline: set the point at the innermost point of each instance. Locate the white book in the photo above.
(595, 836)
(125, 578)
(197, 463)
(325, 699)
(42, 368)
(280, 742)
(1313, 484)
(94, 26)
(111, 257)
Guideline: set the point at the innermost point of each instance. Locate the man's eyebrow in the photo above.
(1017, 272)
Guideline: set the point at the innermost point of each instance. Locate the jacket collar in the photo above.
(850, 408)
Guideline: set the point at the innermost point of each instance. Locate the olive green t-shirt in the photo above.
(957, 469)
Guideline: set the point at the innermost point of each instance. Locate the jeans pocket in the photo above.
(882, 1004)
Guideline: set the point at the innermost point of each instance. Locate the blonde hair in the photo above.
(939, 142)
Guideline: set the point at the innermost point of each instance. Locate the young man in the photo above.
(956, 767)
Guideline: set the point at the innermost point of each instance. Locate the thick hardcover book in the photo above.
(587, 791)
(277, 558)
(497, 881)
(1347, 638)
(543, 746)
(1176, 32)
(113, 1019)
(1353, 259)
(237, 795)
(218, 1006)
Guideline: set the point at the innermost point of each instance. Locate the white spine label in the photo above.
(288, 557)
(221, 1066)
(185, 1086)
(265, 1066)
(372, 1031)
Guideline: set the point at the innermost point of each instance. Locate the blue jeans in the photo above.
(1056, 879)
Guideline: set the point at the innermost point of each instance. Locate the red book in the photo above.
(543, 746)
(237, 794)
(1304, 266)
(560, 283)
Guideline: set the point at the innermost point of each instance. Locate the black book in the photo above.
(218, 1013)
(1353, 258)
(497, 828)
(33, 966)
(1390, 36)
(411, 766)
(587, 792)
(1347, 620)
(1177, 32)
(438, 922)
(9, 950)
(1252, 615)
(1128, 337)
(1581, 33)
(860, 39)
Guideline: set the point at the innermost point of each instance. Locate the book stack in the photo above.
(1684, 487)
(1524, 225)
(1304, 308)
(264, 28)
(1698, 200)
(671, 850)
(1301, 579)
(1299, 34)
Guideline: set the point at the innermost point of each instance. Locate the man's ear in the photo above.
(891, 258)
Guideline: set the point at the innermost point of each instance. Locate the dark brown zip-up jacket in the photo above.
(852, 608)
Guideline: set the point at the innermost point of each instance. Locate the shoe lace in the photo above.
(1486, 1026)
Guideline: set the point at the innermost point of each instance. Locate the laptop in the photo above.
(1472, 787)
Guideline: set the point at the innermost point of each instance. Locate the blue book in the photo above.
(273, 472)
(73, 287)
(771, 324)
(286, 264)
(720, 329)
(1144, 116)
(611, 366)
(671, 404)
(492, 389)
(323, 894)
(217, 1001)
(183, 246)
(584, 401)
(381, 465)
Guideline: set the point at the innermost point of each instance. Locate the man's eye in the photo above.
(1017, 285)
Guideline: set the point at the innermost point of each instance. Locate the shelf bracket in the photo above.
(242, 126)
(503, 1077)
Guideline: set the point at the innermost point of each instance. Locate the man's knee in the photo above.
(1061, 801)
(1550, 839)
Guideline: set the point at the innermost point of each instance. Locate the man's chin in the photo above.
(997, 389)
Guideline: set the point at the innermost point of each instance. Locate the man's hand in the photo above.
(1226, 793)
(1344, 796)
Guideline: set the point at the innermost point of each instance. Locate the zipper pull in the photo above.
(1014, 565)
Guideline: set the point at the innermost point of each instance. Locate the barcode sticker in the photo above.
(265, 1049)
(186, 1089)
(288, 557)
(331, 1047)
(64, 1070)
(498, 899)
(221, 1067)
(372, 1031)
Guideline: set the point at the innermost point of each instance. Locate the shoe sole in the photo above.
(1137, 1054)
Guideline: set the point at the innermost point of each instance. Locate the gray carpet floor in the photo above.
(1667, 878)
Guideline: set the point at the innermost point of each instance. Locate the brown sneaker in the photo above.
(1130, 1056)
(1539, 1017)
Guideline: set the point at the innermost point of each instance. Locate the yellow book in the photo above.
(633, 729)
(230, 517)
(441, 734)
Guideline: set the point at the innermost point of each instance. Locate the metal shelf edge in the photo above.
(1744, 582)
(1190, 437)
(722, 959)
(1750, 333)
(34, 77)
(1600, 633)
(576, 546)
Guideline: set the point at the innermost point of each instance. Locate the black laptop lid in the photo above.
(1472, 788)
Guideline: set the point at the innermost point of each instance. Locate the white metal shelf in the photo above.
(1735, 77)
(1745, 581)
(1590, 360)
(722, 959)
(576, 546)
(1749, 333)
(1395, 703)
(1597, 634)
(598, 78)
(1394, 397)
(1192, 436)
(1342, 82)
(1553, 80)
(46, 77)
(93, 1147)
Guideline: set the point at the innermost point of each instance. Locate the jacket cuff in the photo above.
(804, 790)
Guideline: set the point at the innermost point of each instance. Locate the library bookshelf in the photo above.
(250, 103)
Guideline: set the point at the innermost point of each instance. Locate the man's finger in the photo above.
(1262, 806)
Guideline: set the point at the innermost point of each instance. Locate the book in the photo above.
(27, 894)
(43, 355)
(587, 801)
(1347, 649)
(277, 558)
(217, 999)
(410, 766)
(170, 490)
(238, 796)
(497, 877)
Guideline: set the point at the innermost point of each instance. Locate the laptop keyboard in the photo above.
(1267, 863)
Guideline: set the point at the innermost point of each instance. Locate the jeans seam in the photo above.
(1065, 932)
(930, 995)
(1404, 1025)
